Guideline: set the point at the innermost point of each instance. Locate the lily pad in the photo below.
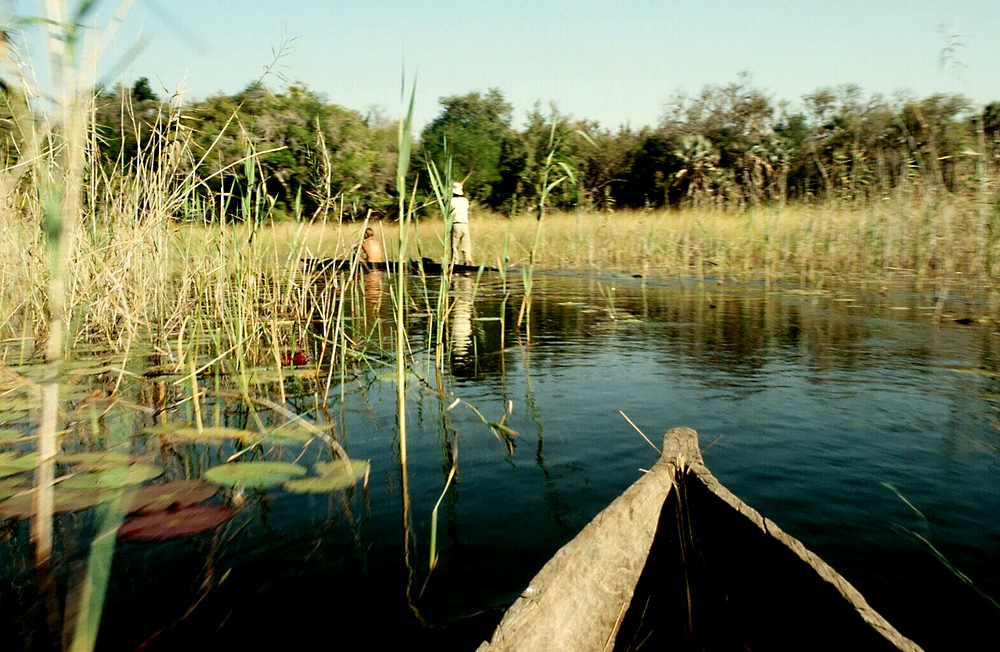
(62, 502)
(18, 403)
(207, 434)
(336, 475)
(11, 486)
(321, 485)
(343, 467)
(267, 376)
(290, 432)
(6, 416)
(10, 434)
(11, 463)
(162, 371)
(89, 368)
(113, 478)
(254, 474)
(172, 495)
(393, 376)
(174, 523)
(94, 460)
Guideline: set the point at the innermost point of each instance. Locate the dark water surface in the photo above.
(826, 410)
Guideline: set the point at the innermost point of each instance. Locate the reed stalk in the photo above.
(441, 185)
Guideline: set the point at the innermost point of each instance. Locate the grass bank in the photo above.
(932, 239)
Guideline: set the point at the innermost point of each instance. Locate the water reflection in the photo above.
(820, 398)
(373, 289)
(461, 319)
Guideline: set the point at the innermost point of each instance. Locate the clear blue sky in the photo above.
(615, 62)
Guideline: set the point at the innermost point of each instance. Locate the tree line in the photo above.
(729, 146)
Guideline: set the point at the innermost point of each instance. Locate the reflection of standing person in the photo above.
(461, 243)
(372, 247)
(461, 317)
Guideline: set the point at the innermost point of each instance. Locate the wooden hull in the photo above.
(427, 265)
(679, 562)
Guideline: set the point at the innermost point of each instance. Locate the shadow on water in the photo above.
(821, 397)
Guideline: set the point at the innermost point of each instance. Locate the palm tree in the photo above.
(699, 158)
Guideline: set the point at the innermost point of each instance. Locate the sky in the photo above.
(616, 62)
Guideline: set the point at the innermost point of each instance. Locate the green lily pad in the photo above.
(62, 502)
(322, 485)
(335, 475)
(393, 376)
(207, 434)
(10, 434)
(267, 376)
(18, 403)
(162, 371)
(6, 416)
(89, 368)
(171, 495)
(290, 432)
(11, 486)
(344, 467)
(263, 474)
(14, 463)
(113, 478)
(75, 393)
(94, 460)
(174, 523)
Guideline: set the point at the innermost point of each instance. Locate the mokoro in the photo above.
(428, 265)
(679, 562)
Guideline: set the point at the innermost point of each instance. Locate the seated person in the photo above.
(372, 247)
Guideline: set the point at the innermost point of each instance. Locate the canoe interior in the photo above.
(714, 580)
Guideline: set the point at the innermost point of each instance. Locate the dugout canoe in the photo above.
(428, 265)
(678, 562)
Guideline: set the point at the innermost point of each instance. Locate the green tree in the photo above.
(142, 92)
(478, 130)
(653, 164)
(307, 149)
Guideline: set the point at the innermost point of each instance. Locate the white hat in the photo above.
(456, 188)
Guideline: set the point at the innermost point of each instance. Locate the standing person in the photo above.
(461, 243)
(372, 247)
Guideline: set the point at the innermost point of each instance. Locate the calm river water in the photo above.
(853, 419)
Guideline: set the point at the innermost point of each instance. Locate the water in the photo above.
(823, 410)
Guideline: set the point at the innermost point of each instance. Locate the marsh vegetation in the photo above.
(182, 387)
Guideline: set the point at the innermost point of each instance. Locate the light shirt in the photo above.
(460, 210)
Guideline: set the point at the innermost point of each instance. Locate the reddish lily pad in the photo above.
(171, 524)
(172, 495)
(254, 474)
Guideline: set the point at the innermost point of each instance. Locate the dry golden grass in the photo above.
(798, 243)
